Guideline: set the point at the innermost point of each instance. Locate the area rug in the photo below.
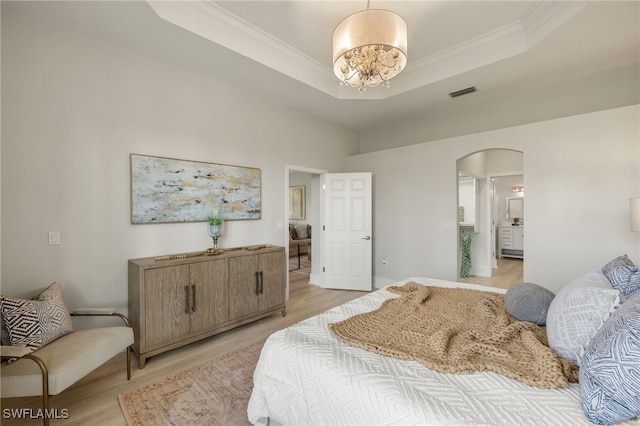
(305, 265)
(213, 393)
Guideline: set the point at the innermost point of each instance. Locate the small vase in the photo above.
(215, 232)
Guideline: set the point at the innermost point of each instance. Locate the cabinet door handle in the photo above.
(187, 299)
(257, 283)
(261, 283)
(193, 298)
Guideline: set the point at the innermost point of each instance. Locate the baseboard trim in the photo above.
(481, 272)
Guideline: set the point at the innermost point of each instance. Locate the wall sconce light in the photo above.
(517, 188)
(634, 214)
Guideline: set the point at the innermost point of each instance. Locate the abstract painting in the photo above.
(166, 190)
(297, 202)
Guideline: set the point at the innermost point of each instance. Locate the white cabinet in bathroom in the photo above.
(511, 240)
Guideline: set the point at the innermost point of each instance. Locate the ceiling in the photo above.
(511, 51)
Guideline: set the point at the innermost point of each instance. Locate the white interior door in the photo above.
(347, 231)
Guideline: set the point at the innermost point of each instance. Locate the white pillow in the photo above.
(577, 313)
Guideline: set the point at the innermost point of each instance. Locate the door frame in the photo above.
(491, 217)
(312, 192)
(487, 211)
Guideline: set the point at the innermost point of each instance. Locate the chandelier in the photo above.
(369, 48)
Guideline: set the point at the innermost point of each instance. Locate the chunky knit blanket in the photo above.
(456, 330)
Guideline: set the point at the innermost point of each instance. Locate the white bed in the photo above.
(306, 376)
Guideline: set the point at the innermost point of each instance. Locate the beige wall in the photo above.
(579, 174)
(74, 108)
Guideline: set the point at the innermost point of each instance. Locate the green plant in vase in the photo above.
(215, 221)
(215, 228)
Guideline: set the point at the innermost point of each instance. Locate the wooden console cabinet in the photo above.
(174, 302)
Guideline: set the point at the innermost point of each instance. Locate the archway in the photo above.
(485, 180)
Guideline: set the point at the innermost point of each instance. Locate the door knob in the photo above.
(368, 237)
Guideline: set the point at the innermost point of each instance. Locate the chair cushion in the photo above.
(35, 323)
(68, 359)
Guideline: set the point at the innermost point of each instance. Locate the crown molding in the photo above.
(214, 23)
(486, 49)
(546, 16)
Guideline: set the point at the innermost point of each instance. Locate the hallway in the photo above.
(508, 274)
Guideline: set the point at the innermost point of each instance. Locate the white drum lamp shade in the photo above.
(369, 48)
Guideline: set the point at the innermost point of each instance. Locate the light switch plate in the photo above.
(54, 238)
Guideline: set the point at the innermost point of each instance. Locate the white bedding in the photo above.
(307, 376)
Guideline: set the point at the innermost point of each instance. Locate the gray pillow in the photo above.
(528, 302)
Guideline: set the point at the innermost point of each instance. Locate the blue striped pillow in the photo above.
(623, 275)
(610, 370)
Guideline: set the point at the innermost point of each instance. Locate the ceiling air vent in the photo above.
(462, 92)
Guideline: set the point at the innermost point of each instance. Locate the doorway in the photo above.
(300, 219)
(339, 219)
(484, 256)
(309, 179)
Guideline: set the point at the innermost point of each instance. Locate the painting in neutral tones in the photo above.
(165, 190)
(297, 202)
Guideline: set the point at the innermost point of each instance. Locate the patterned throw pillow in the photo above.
(623, 275)
(609, 379)
(4, 333)
(34, 323)
(577, 313)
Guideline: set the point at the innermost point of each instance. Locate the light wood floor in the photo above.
(508, 274)
(94, 399)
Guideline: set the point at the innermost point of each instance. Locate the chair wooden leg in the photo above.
(45, 408)
(128, 362)
(45, 387)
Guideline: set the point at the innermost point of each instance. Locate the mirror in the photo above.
(515, 207)
(469, 202)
